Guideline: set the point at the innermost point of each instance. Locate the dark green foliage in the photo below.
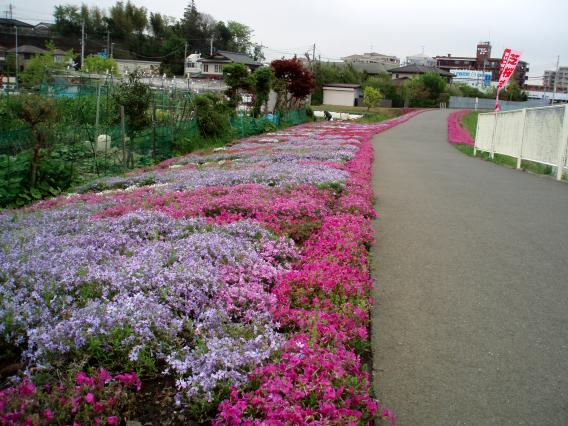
(325, 73)
(383, 82)
(262, 85)
(427, 90)
(239, 79)
(135, 97)
(211, 115)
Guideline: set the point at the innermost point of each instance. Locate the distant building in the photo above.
(42, 28)
(26, 52)
(561, 79)
(192, 65)
(212, 66)
(482, 62)
(473, 78)
(127, 66)
(342, 94)
(10, 24)
(372, 58)
(421, 59)
(409, 71)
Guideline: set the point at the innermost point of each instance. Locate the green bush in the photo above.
(211, 115)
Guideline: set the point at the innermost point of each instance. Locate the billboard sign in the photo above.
(472, 78)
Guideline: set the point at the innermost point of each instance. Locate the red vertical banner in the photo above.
(509, 62)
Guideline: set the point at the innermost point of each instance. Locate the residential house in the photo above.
(42, 28)
(212, 66)
(7, 24)
(26, 52)
(192, 65)
(409, 71)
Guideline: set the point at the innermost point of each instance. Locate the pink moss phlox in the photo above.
(456, 132)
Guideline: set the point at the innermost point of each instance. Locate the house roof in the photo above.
(26, 48)
(343, 85)
(14, 23)
(225, 56)
(371, 68)
(420, 69)
(43, 24)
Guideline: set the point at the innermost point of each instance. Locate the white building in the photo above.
(421, 59)
(372, 58)
(192, 64)
(342, 94)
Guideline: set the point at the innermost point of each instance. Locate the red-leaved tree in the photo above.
(293, 81)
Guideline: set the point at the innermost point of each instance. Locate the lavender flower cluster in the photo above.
(193, 295)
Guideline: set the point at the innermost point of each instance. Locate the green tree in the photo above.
(427, 90)
(238, 79)
(240, 37)
(39, 113)
(211, 115)
(100, 65)
(135, 97)
(383, 82)
(371, 97)
(262, 84)
(42, 66)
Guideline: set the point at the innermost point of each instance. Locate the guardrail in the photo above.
(534, 134)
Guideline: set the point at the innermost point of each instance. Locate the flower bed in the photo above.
(456, 132)
(237, 274)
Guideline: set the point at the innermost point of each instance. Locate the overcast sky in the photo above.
(402, 28)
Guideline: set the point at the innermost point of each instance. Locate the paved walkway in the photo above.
(470, 324)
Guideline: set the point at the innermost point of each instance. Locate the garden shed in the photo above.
(343, 94)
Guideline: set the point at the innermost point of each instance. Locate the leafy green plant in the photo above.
(211, 115)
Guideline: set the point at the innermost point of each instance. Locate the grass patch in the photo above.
(505, 160)
(372, 118)
(388, 112)
(470, 123)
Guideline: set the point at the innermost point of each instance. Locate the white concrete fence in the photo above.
(534, 134)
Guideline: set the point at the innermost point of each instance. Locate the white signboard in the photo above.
(472, 78)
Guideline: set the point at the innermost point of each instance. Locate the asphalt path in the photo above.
(470, 321)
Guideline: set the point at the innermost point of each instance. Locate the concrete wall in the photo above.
(536, 134)
(460, 102)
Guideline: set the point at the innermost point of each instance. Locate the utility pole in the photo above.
(314, 53)
(108, 43)
(555, 80)
(211, 49)
(82, 44)
(17, 54)
(185, 58)
(112, 50)
(11, 9)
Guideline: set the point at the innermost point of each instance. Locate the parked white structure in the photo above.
(342, 94)
(192, 64)
(534, 134)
